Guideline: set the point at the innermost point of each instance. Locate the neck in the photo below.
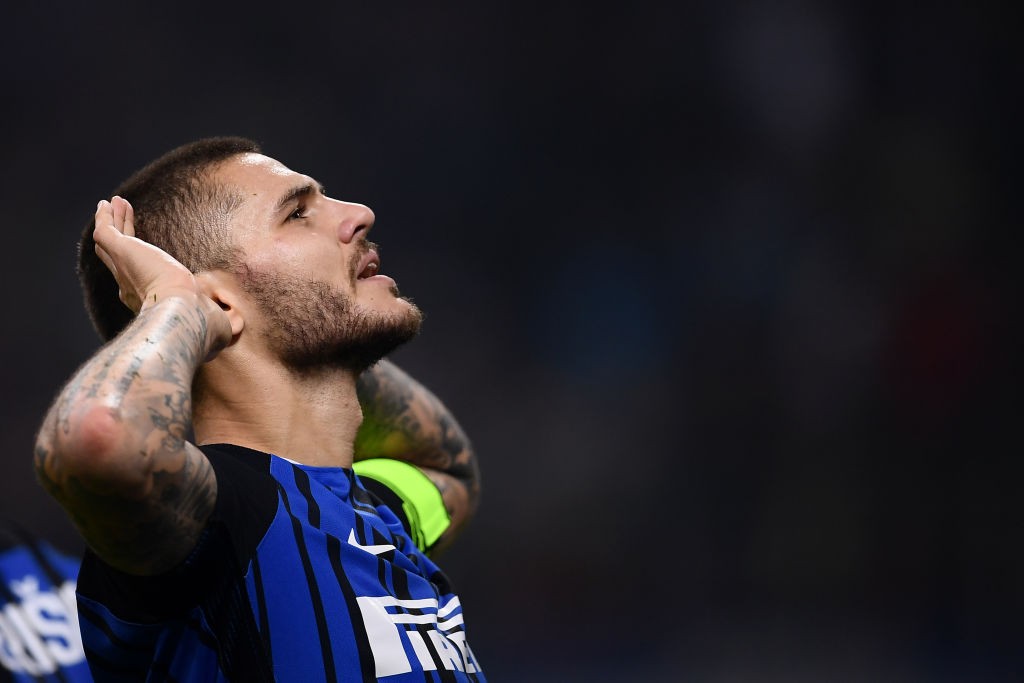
(311, 417)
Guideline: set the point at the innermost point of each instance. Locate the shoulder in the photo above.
(244, 509)
(410, 494)
(247, 495)
(243, 477)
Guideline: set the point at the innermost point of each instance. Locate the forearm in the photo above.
(403, 420)
(113, 450)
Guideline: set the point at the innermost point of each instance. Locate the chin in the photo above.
(363, 338)
(363, 353)
(386, 302)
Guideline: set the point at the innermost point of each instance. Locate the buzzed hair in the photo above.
(180, 208)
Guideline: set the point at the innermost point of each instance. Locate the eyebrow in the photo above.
(298, 192)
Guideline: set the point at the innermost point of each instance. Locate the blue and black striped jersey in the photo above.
(301, 575)
(39, 638)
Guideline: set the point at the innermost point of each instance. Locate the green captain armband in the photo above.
(421, 501)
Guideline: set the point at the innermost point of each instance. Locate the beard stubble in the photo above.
(313, 325)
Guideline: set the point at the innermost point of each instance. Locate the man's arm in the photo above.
(403, 420)
(112, 447)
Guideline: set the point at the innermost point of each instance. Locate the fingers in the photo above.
(117, 214)
(124, 216)
(104, 221)
(98, 235)
(104, 233)
(104, 213)
(114, 221)
(129, 219)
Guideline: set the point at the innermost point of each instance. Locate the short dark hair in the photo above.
(180, 208)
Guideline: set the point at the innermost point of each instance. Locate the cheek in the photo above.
(307, 261)
(282, 255)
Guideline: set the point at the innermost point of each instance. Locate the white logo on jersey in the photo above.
(374, 549)
(40, 633)
(447, 638)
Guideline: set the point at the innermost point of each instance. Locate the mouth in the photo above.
(369, 265)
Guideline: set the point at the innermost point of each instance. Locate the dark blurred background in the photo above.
(717, 289)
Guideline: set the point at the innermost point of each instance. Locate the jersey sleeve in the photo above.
(246, 501)
(411, 496)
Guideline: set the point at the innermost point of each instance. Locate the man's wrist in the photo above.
(215, 325)
(154, 298)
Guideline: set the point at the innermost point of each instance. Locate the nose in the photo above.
(355, 218)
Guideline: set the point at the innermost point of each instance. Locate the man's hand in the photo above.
(146, 274)
(113, 448)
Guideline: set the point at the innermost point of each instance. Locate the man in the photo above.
(256, 552)
(39, 638)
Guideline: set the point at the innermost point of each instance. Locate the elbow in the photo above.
(89, 444)
(98, 434)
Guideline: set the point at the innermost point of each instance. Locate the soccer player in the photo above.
(291, 537)
(39, 638)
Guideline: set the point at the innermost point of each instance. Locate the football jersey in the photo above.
(39, 639)
(301, 574)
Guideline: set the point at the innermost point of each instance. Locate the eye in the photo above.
(298, 213)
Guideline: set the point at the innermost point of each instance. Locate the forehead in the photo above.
(256, 173)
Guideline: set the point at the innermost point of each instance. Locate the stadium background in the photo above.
(716, 288)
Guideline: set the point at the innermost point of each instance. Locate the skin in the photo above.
(405, 421)
(112, 448)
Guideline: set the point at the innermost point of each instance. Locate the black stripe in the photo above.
(314, 589)
(382, 573)
(441, 583)
(398, 583)
(450, 676)
(312, 507)
(361, 498)
(369, 536)
(428, 676)
(261, 606)
(424, 631)
(388, 498)
(400, 579)
(99, 622)
(366, 665)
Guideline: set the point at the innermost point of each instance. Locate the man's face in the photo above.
(310, 272)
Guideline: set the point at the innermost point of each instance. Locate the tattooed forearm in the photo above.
(113, 448)
(403, 420)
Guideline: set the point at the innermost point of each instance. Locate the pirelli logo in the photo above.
(435, 635)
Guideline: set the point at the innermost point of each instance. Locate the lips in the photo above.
(368, 265)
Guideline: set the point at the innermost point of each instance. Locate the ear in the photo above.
(219, 287)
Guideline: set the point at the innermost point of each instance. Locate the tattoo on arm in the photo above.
(403, 420)
(142, 506)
